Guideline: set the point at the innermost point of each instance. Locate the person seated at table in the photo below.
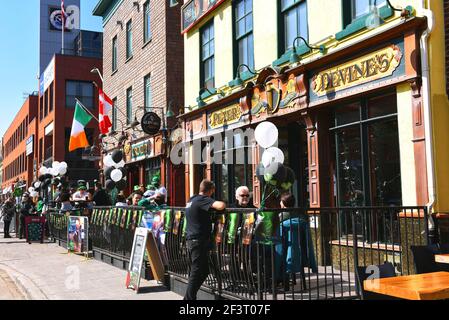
(121, 201)
(136, 199)
(101, 197)
(81, 194)
(66, 205)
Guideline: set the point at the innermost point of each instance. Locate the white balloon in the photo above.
(271, 155)
(56, 164)
(121, 164)
(54, 172)
(62, 170)
(43, 171)
(30, 189)
(108, 162)
(64, 164)
(34, 194)
(116, 175)
(37, 184)
(266, 134)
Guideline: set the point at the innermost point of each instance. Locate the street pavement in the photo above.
(46, 272)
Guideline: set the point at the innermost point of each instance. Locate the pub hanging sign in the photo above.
(142, 150)
(370, 67)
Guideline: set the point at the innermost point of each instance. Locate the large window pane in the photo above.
(295, 22)
(148, 93)
(129, 106)
(350, 171)
(147, 22)
(129, 40)
(385, 166)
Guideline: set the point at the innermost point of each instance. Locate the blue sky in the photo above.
(19, 60)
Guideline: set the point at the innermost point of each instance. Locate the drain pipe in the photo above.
(424, 47)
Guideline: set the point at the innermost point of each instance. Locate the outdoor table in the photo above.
(442, 258)
(426, 286)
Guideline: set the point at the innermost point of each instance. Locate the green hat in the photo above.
(136, 188)
(156, 179)
(82, 188)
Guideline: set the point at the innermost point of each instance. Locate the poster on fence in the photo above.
(78, 234)
(143, 239)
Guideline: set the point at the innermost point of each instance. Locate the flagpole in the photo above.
(85, 109)
(63, 28)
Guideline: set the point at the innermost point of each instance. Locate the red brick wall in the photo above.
(15, 163)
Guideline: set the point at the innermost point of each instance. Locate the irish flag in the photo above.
(78, 137)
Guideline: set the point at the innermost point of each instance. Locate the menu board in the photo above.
(144, 239)
(136, 261)
(34, 229)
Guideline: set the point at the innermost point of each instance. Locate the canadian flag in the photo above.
(105, 109)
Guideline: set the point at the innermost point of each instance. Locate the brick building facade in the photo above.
(72, 78)
(17, 165)
(146, 72)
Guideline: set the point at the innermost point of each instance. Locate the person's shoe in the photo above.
(7, 236)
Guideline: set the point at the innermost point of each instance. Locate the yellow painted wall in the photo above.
(191, 68)
(325, 18)
(405, 130)
(223, 45)
(265, 33)
(440, 108)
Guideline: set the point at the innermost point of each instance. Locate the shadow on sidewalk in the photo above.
(159, 289)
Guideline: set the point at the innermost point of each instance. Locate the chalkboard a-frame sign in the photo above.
(143, 240)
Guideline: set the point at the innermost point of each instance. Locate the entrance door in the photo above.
(293, 142)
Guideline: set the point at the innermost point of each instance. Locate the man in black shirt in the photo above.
(101, 197)
(198, 235)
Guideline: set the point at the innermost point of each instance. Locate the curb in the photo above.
(30, 290)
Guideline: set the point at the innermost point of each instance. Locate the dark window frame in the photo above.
(147, 35)
(89, 104)
(114, 54)
(243, 37)
(283, 46)
(203, 60)
(129, 105)
(129, 39)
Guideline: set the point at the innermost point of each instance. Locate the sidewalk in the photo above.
(46, 271)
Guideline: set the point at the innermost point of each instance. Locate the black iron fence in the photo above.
(305, 254)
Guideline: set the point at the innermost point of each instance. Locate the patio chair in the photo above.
(386, 270)
(424, 258)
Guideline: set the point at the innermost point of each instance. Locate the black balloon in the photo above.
(117, 156)
(278, 171)
(41, 178)
(107, 172)
(124, 171)
(121, 185)
(110, 185)
(290, 175)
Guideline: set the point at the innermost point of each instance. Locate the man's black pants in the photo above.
(22, 233)
(6, 225)
(199, 251)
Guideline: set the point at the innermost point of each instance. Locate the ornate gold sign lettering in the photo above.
(229, 115)
(370, 67)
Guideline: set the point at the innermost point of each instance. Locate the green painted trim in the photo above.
(106, 9)
(360, 23)
(285, 58)
(206, 93)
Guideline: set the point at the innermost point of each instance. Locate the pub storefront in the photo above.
(350, 125)
(144, 161)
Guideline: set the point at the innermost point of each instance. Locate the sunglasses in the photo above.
(244, 195)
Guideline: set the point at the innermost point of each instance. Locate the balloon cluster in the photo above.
(48, 176)
(115, 171)
(272, 169)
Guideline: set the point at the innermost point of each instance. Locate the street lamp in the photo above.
(294, 57)
(238, 79)
(97, 71)
(374, 20)
(200, 100)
